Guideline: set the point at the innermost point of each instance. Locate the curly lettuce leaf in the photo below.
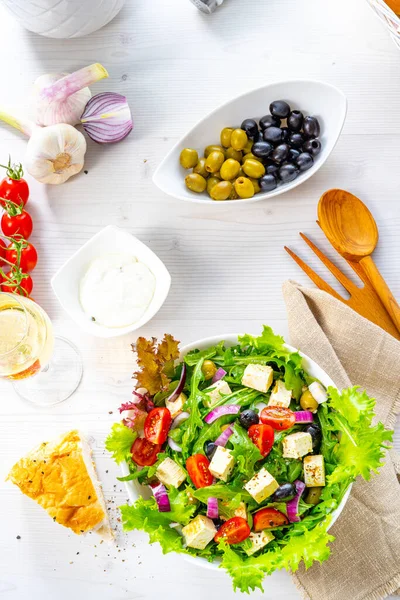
(156, 362)
(119, 442)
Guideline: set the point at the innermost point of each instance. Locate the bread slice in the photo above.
(60, 475)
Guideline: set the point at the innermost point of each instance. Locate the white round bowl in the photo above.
(135, 490)
(312, 97)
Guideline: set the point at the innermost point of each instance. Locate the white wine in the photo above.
(26, 337)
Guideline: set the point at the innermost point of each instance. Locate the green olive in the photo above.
(209, 369)
(188, 158)
(226, 134)
(253, 168)
(248, 156)
(238, 139)
(241, 173)
(214, 161)
(256, 185)
(221, 191)
(235, 154)
(308, 402)
(230, 169)
(211, 181)
(233, 195)
(217, 174)
(200, 168)
(244, 187)
(213, 148)
(313, 495)
(195, 182)
(248, 146)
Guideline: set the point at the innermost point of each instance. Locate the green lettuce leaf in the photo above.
(246, 453)
(119, 442)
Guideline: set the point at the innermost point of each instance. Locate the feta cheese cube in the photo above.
(258, 377)
(318, 392)
(280, 396)
(261, 485)
(259, 540)
(222, 463)
(170, 473)
(297, 445)
(175, 407)
(314, 470)
(199, 532)
(216, 391)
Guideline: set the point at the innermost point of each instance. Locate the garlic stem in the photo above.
(68, 85)
(24, 125)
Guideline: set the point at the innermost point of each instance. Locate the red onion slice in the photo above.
(220, 411)
(304, 416)
(218, 375)
(179, 389)
(293, 505)
(224, 437)
(179, 419)
(173, 445)
(161, 496)
(212, 508)
(107, 118)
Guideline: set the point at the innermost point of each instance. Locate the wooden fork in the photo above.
(363, 300)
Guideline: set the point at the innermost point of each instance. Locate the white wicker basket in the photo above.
(388, 17)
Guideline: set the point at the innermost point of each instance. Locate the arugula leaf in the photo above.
(246, 453)
(119, 442)
(193, 357)
(194, 421)
(210, 433)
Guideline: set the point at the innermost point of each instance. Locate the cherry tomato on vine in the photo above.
(23, 288)
(144, 453)
(22, 254)
(268, 517)
(13, 188)
(278, 417)
(19, 226)
(157, 424)
(197, 467)
(234, 531)
(263, 437)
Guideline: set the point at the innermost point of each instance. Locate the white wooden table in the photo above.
(227, 265)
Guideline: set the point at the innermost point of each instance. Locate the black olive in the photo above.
(279, 108)
(285, 134)
(296, 140)
(268, 182)
(311, 127)
(271, 168)
(288, 172)
(272, 134)
(313, 147)
(293, 154)
(210, 449)
(316, 435)
(304, 161)
(262, 149)
(280, 153)
(218, 523)
(284, 492)
(269, 121)
(295, 120)
(250, 127)
(247, 418)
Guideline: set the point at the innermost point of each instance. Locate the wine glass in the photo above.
(44, 369)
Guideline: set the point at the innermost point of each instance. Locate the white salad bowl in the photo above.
(110, 240)
(312, 97)
(135, 490)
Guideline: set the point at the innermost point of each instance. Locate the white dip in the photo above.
(116, 290)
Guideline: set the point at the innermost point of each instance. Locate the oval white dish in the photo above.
(313, 97)
(135, 490)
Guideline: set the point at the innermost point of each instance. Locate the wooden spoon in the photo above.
(352, 231)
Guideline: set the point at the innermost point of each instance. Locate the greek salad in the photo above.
(246, 455)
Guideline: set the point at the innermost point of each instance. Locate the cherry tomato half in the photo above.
(14, 190)
(157, 424)
(28, 258)
(263, 437)
(197, 466)
(233, 531)
(17, 226)
(278, 417)
(24, 288)
(268, 517)
(2, 250)
(144, 453)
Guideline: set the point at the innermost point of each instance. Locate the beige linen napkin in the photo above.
(365, 559)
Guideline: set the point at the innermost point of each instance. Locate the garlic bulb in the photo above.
(62, 97)
(54, 153)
